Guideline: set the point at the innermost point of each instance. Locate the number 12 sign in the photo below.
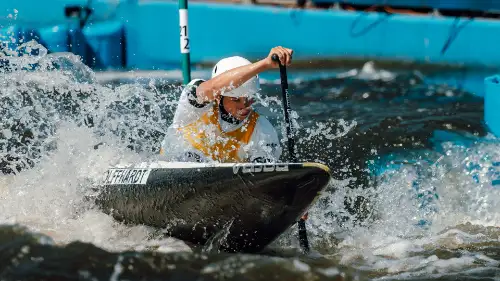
(183, 21)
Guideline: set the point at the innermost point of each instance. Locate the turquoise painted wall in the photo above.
(39, 13)
(476, 5)
(492, 104)
(100, 43)
(218, 30)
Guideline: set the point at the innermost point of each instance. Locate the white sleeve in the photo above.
(264, 144)
(188, 109)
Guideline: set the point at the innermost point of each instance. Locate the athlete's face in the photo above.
(239, 108)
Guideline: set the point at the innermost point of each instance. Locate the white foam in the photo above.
(463, 213)
(50, 198)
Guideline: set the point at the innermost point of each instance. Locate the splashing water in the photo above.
(55, 118)
(432, 216)
(61, 131)
(429, 218)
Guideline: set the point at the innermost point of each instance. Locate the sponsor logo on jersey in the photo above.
(126, 176)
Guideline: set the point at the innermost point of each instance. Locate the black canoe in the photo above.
(251, 204)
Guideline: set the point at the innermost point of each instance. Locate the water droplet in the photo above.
(7, 133)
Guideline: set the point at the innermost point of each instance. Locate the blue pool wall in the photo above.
(471, 5)
(217, 30)
(151, 33)
(492, 104)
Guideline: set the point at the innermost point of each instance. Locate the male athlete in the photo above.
(214, 120)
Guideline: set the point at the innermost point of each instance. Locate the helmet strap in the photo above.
(226, 116)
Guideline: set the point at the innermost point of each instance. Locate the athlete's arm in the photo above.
(231, 79)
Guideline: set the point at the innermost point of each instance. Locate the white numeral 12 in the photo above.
(183, 22)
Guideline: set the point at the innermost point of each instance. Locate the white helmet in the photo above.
(249, 88)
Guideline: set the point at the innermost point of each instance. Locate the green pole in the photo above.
(185, 47)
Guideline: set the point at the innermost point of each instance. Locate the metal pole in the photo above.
(185, 47)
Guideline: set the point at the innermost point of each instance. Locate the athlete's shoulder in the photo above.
(190, 88)
(189, 93)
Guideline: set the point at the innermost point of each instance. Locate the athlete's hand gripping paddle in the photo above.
(304, 243)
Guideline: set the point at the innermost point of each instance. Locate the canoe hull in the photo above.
(250, 204)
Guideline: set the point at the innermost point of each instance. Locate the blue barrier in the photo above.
(218, 30)
(100, 43)
(36, 13)
(33, 13)
(472, 5)
(53, 38)
(106, 44)
(492, 104)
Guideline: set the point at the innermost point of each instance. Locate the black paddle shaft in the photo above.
(286, 109)
(304, 242)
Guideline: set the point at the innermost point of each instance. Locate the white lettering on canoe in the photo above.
(266, 168)
(126, 176)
